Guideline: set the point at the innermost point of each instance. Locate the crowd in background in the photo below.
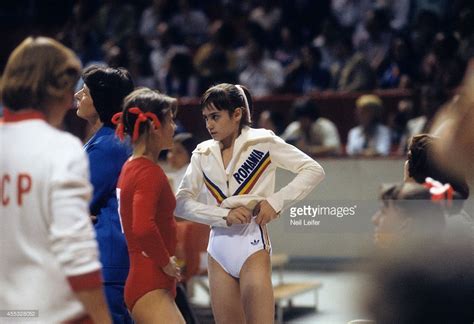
(286, 47)
(276, 46)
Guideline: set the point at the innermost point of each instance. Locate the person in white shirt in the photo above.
(49, 260)
(313, 134)
(238, 169)
(263, 75)
(370, 138)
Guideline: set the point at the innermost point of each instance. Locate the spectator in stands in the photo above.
(287, 48)
(330, 32)
(305, 16)
(221, 38)
(398, 68)
(441, 65)
(399, 13)
(170, 41)
(115, 21)
(159, 11)
(426, 25)
(439, 8)
(272, 120)
(349, 12)
(137, 54)
(114, 55)
(250, 33)
(217, 70)
(267, 13)
(370, 137)
(351, 72)
(180, 79)
(192, 22)
(310, 132)
(306, 75)
(373, 37)
(78, 32)
(263, 75)
(215, 60)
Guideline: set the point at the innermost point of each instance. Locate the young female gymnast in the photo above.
(146, 204)
(238, 168)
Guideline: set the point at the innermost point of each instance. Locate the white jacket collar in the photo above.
(247, 136)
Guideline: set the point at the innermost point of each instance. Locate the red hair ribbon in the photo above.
(142, 117)
(117, 120)
(439, 191)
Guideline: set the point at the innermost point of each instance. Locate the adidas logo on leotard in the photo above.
(255, 242)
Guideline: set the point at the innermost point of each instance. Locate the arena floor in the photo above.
(338, 298)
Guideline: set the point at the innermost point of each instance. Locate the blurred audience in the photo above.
(370, 137)
(310, 132)
(271, 120)
(364, 44)
(305, 75)
(179, 78)
(351, 70)
(262, 74)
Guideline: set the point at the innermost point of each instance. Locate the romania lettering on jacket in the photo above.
(250, 171)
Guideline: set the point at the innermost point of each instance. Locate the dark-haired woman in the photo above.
(99, 99)
(238, 168)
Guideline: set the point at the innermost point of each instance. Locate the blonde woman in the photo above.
(49, 253)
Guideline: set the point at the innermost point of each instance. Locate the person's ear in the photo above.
(152, 130)
(237, 114)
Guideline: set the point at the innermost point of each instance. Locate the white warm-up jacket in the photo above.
(248, 178)
(47, 242)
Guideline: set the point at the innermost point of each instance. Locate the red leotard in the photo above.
(147, 205)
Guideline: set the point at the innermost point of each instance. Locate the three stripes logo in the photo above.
(255, 242)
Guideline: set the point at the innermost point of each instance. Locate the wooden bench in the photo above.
(284, 293)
